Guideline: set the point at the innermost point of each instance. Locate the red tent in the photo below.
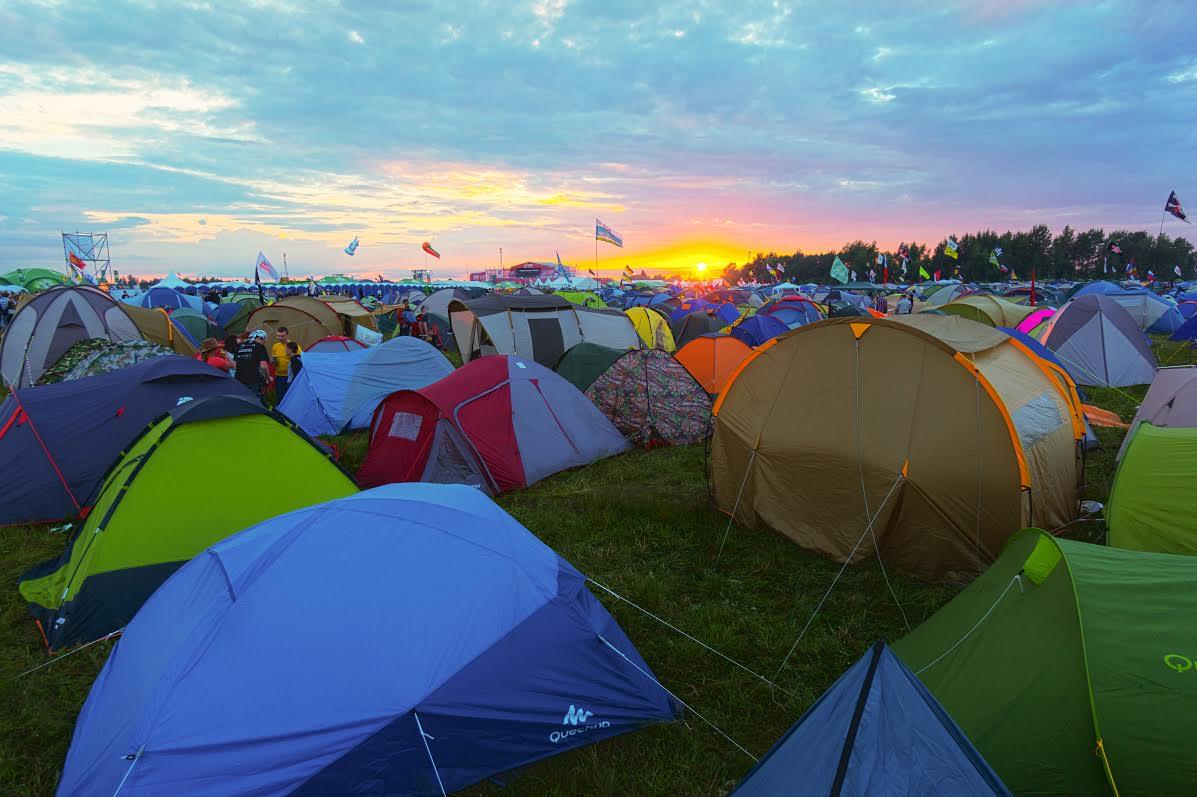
(498, 422)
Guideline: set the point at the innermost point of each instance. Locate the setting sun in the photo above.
(701, 267)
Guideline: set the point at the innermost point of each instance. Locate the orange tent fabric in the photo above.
(712, 359)
(1099, 417)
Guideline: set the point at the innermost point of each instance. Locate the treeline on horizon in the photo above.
(1069, 255)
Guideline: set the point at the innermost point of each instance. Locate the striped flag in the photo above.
(952, 249)
(603, 232)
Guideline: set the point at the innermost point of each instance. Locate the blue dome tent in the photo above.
(411, 639)
(757, 329)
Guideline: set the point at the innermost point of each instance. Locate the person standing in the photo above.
(296, 362)
(252, 362)
(281, 357)
(905, 305)
(882, 304)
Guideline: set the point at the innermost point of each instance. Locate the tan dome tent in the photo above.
(952, 434)
(992, 311)
(155, 326)
(309, 319)
(540, 328)
(50, 323)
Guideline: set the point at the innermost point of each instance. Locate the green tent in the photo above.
(197, 324)
(584, 363)
(1149, 507)
(166, 499)
(1071, 667)
(583, 298)
(35, 279)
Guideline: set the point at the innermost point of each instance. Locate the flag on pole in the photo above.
(854, 275)
(839, 272)
(590, 271)
(993, 260)
(352, 248)
(1173, 206)
(628, 270)
(1176, 271)
(263, 266)
(1150, 275)
(603, 232)
(872, 275)
(427, 247)
(923, 273)
(1131, 271)
(952, 249)
(1114, 247)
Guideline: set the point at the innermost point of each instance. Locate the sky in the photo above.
(198, 132)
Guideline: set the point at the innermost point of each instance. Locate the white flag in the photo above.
(1176, 271)
(264, 268)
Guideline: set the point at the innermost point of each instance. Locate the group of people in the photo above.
(8, 308)
(251, 364)
(413, 322)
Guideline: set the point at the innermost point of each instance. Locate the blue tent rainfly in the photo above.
(410, 639)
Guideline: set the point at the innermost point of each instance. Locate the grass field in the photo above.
(641, 525)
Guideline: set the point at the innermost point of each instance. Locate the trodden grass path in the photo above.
(641, 525)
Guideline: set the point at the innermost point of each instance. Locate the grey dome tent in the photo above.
(540, 328)
(1100, 344)
(51, 322)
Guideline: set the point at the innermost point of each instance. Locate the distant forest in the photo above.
(1069, 255)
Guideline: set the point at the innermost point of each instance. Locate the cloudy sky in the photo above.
(197, 132)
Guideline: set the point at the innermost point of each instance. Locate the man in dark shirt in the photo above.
(252, 361)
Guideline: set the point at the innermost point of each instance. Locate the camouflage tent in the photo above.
(96, 356)
(651, 398)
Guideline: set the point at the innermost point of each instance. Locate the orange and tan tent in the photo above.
(712, 358)
(928, 440)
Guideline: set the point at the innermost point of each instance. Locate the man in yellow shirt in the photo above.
(282, 360)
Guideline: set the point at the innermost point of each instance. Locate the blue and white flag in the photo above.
(604, 233)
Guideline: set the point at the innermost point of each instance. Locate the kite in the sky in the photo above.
(349, 250)
(427, 247)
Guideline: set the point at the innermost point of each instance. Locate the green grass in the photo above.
(641, 525)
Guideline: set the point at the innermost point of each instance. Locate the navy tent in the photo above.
(168, 298)
(340, 391)
(757, 329)
(411, 639)
(57, 441)
(877, 730)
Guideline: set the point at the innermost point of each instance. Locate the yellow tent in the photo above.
(652, 327)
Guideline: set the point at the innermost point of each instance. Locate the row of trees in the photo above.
(1069, 255)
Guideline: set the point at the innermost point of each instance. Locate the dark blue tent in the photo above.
(411, 639)
(1187, 330)
(877, 730)
(57, 441)
(757, 329)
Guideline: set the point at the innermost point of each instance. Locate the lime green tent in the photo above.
(165, 500)
(1150, 505)
(35, 279)
(583, 298)
(584, 363)
(1071, 667)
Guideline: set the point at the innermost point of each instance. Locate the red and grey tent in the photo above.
(498, 422)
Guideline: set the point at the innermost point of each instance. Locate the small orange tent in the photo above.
(712, 358)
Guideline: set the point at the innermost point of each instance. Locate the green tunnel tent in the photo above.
(1071, 667)
(1151, 500)
(163, 502)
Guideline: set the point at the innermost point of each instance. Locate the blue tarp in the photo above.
(339, 391)
(376, 644)
(84, 425)
(877, 730)
(757, 329)
(1187, 330)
